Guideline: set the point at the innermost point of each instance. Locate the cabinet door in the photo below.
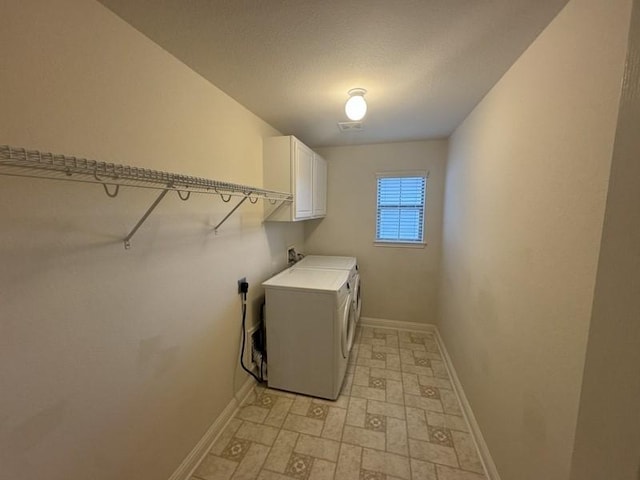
(319, 186)
(303, 178)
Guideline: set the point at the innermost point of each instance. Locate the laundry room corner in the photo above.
(399, 283)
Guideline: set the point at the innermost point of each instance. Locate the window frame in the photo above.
(402, 243)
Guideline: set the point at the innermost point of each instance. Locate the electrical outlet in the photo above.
(242, 281)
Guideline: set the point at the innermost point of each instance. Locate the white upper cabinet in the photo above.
(291, 166)
(319, 186)
(303, 181)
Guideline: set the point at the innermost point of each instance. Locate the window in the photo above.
(400, 209)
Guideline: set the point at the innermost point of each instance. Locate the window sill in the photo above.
(400, 244)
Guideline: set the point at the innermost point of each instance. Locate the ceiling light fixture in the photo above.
(356, 106)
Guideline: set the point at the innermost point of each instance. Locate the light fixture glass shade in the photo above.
(356, 106)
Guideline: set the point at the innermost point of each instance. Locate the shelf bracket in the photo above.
(275, 209)
(215, 229)
(127, 240)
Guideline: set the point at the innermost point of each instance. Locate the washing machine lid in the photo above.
(309, 279)
(327, 261)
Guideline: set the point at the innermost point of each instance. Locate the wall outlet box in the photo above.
(258, 340)
(292, 256)
(247, 357)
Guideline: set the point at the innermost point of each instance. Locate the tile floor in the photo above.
(397, 417)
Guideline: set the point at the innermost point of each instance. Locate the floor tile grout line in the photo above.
(361, 460)
(200, 478)
(264, 460)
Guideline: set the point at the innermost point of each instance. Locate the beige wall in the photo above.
(397, 283)
(114, 363)
(524, 204)
(608, 434)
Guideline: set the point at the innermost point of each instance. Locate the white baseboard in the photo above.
(193, 459)
(485, 456)
(397, 324)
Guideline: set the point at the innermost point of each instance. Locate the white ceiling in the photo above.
(425, 63)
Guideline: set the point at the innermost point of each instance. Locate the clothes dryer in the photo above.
(307, 317)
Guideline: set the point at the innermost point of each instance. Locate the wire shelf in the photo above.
(20, 162)
(15, 161)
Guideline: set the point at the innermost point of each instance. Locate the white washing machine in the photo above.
(307, 318)
(349, 264)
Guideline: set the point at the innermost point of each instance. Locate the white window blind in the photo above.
(400, 211)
